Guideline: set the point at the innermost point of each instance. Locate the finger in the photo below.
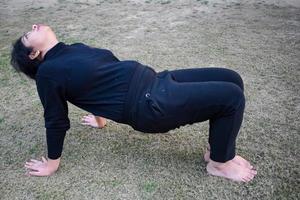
(35, 173)
(243, 180)
(86, 120)
(88, 117)
(44, 159)
(27, 173)
(35, 161)
(29, 163)
(85, 123)
(33, 167)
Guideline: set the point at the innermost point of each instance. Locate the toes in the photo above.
(249, 166)
(250, 174)
(246, 179)
(250, 177)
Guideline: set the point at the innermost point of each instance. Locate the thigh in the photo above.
(207, 74)
(170, 104)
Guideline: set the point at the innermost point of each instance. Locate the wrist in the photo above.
(101, 121)
(53, 164)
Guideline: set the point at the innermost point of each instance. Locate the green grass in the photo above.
(150, 186)
(1, 120)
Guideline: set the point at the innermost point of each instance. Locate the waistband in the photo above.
(143, 77)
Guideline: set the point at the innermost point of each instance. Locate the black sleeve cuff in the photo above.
(55, 141)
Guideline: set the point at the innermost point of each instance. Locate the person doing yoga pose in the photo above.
(132, 93)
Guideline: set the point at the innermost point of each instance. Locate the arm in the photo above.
(53, 98)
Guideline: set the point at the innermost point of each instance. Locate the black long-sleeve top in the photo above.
(90, 78)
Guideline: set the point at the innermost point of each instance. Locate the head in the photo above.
(29, 49)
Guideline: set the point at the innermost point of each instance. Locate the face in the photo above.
(38, 36)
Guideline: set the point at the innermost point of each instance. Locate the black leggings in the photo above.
(185, 96)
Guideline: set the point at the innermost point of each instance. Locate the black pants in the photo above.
(186, 96)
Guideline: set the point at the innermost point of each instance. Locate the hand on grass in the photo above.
(94, 121)
(42, 168)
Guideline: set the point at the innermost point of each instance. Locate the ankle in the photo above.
(218, 165)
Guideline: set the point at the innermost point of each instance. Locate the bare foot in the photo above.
(237, 159)
(231, 170)
(94, 121)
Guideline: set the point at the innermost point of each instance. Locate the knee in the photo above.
(237, 79)
(237, 97)
(242, 99)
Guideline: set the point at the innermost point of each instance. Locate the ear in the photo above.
(34, 54)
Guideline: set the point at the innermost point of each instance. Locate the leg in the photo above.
(223, 131)
(237, 159)
(207, 74)
(173, 103)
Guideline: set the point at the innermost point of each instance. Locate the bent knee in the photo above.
(239, 98)
(235, 95)
(236, 78)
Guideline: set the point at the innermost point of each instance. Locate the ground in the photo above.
(259, 39)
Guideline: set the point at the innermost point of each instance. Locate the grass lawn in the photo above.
(260, 39)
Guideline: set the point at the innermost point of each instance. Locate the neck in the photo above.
(51, 44)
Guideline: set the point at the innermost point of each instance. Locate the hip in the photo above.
(142, 79)
(158, 104)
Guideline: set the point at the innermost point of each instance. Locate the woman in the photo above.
(131, 93)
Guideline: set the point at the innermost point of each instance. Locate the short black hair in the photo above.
(20, 59)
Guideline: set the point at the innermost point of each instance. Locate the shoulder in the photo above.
(55, 67)
(45, 69)
(82, 45)
(49, 87)
(52, 69)
(78, 44)
(45, 81)
(42, 70)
